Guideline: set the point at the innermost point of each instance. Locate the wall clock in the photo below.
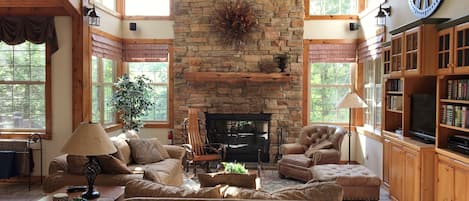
(424, 8)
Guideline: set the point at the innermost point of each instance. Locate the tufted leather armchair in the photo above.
(317, 144)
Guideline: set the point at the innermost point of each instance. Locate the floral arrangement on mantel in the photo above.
(234, 21)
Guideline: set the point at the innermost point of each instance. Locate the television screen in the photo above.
(422, 115)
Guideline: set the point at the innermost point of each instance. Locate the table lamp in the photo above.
(90, 140)
(351, 100)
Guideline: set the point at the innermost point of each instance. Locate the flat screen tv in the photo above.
(422, 117)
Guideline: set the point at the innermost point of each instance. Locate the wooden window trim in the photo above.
(144, 17)
(47, 133)
(360, 7)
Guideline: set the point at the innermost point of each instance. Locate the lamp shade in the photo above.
(89, 139)
(351, 100)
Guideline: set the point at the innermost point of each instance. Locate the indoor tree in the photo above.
(132, 98)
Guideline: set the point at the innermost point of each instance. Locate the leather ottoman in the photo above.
(358, 182)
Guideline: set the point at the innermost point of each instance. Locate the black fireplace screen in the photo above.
(246, 136)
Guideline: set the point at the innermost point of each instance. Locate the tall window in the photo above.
(333, 7)
(110, 4)
(158, 73)
(329, 82)
(372, 83)
(23, 83)
(103, 75)
(147, 7)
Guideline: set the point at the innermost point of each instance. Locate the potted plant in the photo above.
(132, 98)
(234, 174)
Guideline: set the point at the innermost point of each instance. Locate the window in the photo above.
(329, 82)
(110, 4)
(333, 7)
(372, 83)
(24, 99)
(103, 76)
(158, 73)
(147, 7)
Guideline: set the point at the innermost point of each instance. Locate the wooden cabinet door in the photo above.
(445, 179)
(461, 181)
(411, 180)
(386, 160)
(397, 172)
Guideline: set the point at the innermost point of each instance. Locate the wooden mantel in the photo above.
(236, 77)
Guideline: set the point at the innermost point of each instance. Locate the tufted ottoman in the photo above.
(358, 182)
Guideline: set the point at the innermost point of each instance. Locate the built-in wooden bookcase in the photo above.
(393, 105)
(412, 50)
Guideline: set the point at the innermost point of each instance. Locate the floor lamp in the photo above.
(351, 100)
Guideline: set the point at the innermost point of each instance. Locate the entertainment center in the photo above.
(425, 103)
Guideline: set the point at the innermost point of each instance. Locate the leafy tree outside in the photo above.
(333, 7)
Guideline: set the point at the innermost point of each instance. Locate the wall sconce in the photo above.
(382, 14)
(93, 18)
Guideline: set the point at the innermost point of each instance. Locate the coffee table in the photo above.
(108, 193)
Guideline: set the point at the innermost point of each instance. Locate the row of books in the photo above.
(394, 85)
(454, 115)
(394, 102)
(458, 89)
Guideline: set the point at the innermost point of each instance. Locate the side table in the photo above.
(108, 193)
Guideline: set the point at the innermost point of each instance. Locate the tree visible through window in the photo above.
(158, 73)
(333, 7)
(147, 7)
(103, 75)
(22, 87)
(372, 83)
(329, 82)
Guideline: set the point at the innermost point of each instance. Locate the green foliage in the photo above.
(132, 98)
(235, 168)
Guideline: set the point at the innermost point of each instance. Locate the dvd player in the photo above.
(459, 143)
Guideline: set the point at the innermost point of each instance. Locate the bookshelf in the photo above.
(393, 101)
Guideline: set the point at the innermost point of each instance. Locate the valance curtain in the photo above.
(36, 29)
(106, 48)
(139, 52)
(332, 53)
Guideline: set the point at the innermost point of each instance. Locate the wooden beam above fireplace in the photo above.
(236, 77)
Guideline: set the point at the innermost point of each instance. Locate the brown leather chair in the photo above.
(317, 144)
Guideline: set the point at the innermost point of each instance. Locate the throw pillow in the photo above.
(145, 188)
(76, 164)
(123, 150)
(313, 149)
(144, 151)
(112, 165)
(164, 153)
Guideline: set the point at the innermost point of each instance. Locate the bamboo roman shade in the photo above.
(149, 52)
(370, 48)
(106, 48)
(332, 53)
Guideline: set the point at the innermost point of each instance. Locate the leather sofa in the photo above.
(317, 144)
(168, 171)
(139, 189)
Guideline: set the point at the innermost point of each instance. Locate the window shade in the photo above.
(138, 52)
(370, 48)
(106, 48)
(332, 53)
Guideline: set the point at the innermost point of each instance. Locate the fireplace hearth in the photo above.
(246, 136)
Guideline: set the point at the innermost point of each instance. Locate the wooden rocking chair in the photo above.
(199, 151)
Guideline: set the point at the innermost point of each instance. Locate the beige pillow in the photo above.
(144, 151)
(145, 188)
(76, 164)
(164, 153)
(112, 165)
(322, 145)
(123, 150)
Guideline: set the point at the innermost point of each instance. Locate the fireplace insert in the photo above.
(246, 136)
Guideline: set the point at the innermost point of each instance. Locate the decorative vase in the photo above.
(282, 62)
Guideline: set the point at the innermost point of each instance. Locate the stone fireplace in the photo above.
(199, 48)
